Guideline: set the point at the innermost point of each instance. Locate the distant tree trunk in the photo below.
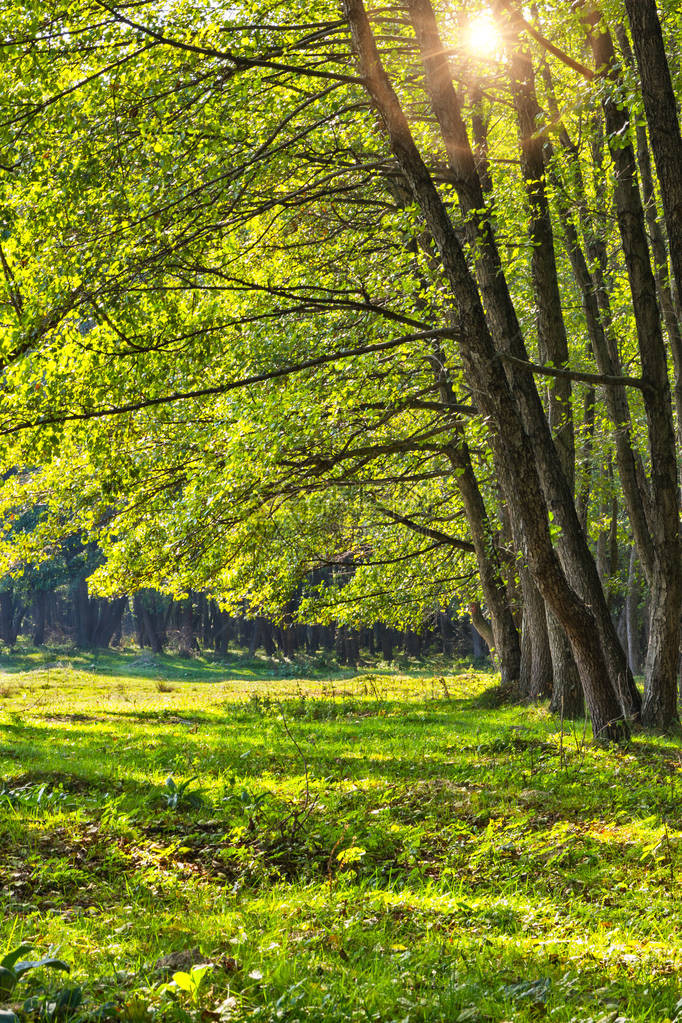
(139, 624)
(312, 640)
(187, 638)
(352, 646)
(447, 634)
(82, 613)
(151, 627)
(244, 629)
(254, 637)
(11, 615)
(386, 640)
(108, 620)
(39, 615)
(221, 631)
(340, 643)
(632, 600)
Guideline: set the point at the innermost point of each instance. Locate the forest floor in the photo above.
(370, 846)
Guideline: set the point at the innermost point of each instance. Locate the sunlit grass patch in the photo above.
(373, 846)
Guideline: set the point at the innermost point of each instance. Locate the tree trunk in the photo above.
(386, 643)
(482, 625)
(82, 613)
(512, 447)
(660, 695)
(152, 630)
(567, 693)
(110, 614)
(552, 340)
(658, 248)
(187, 640)
(577, 560)
(221, 631)
(505, 645)
(661, 114)
(39, 614)
(536, 639)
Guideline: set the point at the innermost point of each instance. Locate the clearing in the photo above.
(365, 846)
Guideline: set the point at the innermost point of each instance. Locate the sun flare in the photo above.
(483, 36)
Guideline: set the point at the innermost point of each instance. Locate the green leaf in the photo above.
(183, 981)
(11, 958)
(8, 981)
(34, 964)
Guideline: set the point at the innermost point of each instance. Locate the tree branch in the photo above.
(582, 69)
(233, 385)
(432, 534)
(600, 379)
(240, 62)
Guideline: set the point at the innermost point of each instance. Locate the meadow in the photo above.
(238, 839)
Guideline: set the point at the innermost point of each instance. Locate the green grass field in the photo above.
(368, 846)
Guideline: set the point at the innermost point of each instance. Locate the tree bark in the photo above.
(552, 340)
(512, 446)
(504, 639)
(576, 558)
(539, 679)
(658, 247)
(661, 114)
(567, 692)
(660, 697)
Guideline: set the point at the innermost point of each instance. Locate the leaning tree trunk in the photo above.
(660, 697)
(504, 643)
(504, 639)
(553, 343)
(483, 627)
(576, 558)
(661, 114)
(512, 448)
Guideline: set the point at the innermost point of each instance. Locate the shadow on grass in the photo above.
(143, 664)
(237, 665)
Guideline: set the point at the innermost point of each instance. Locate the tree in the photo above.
(313, 244)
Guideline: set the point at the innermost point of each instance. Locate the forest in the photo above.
(340, 549)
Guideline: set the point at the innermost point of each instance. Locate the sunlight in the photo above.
(483, 36)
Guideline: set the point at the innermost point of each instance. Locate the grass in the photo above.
(370, 846)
